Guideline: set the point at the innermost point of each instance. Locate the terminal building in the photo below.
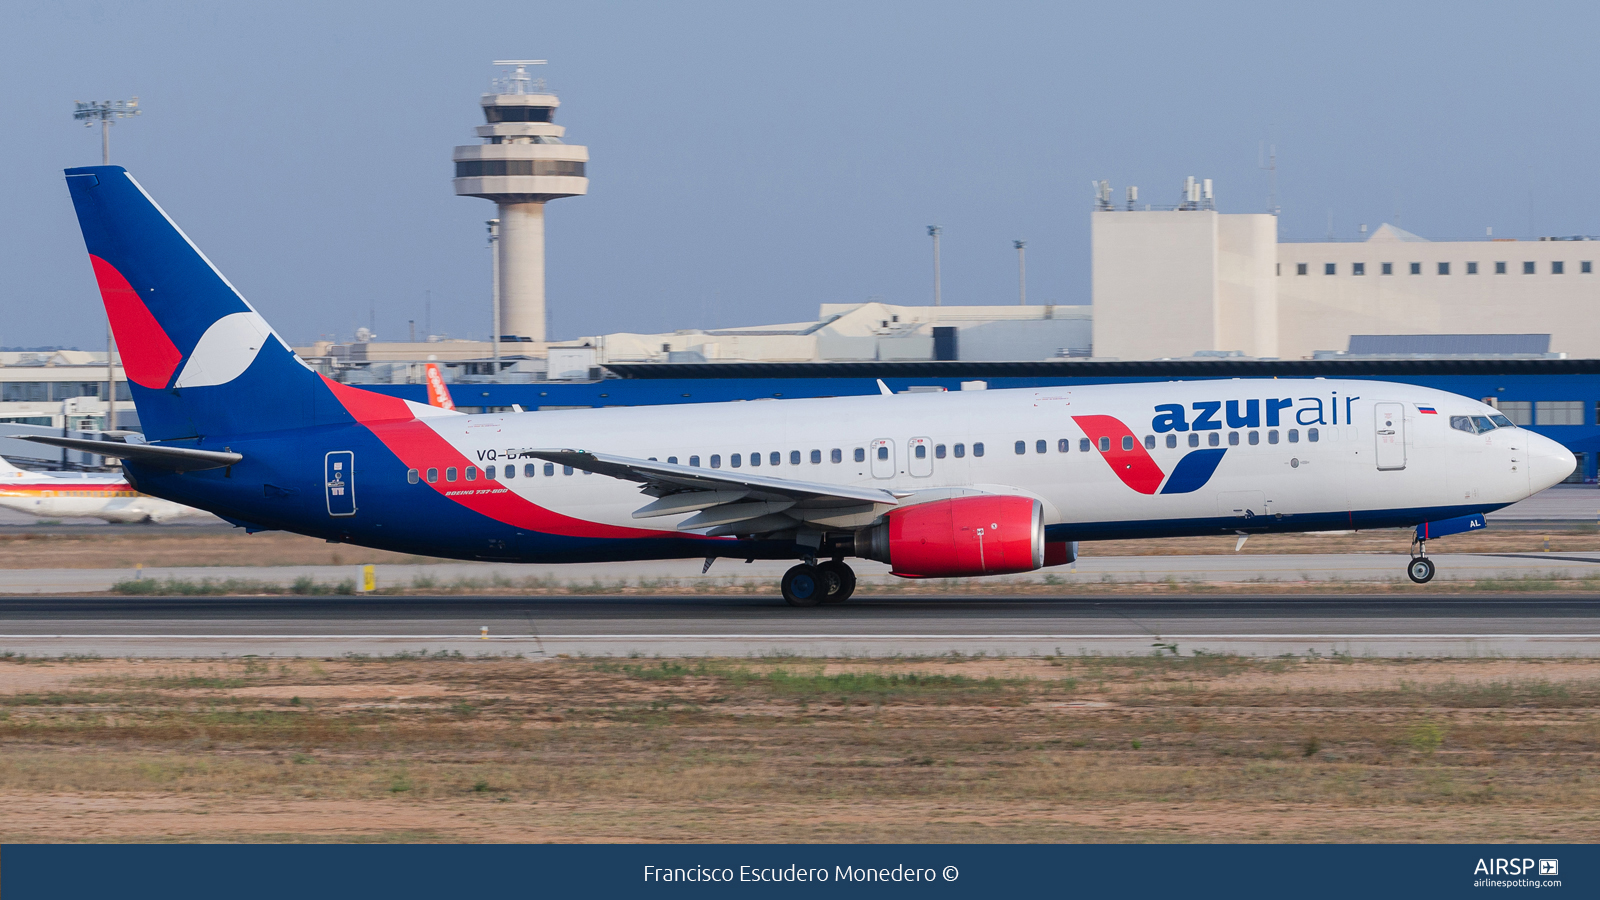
(1187, 280)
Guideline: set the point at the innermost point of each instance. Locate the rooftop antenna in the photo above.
(1133, 196)
(934, 231)
(1267, 159)
(1022, 272)
(518, 82)
(1102, 195)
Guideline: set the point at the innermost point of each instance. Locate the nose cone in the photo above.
(1548, 462)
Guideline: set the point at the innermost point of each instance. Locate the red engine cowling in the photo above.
(987, 535)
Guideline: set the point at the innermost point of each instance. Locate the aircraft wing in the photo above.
(727, 501)
(178, 459)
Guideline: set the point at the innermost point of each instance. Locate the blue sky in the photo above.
(750, 161)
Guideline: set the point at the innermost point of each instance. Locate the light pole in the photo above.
(494, 254)
(105, 111)
(1022, 272)
(934, 231)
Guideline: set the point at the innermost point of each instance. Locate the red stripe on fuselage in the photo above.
(148, 355)
(420, 447)
(1135, 467)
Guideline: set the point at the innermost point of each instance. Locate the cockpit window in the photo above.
(1476, 424)
(1502, 421)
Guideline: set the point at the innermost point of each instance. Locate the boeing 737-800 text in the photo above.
(934, 484)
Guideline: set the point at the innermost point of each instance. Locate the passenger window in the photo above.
(1233, 439)
(1172, 441)
(450, 474)
(549, 469)
(1213, 438)
(1311, 435)
(694, 461)
(1194, 440)
(673, 460)
(883, 452)
(775, 458)
(1105, 445)
(433, 475)
(1149, 442)
(794, 457)
(734, 460)
(836, 455)
(861, 455)
(472, 473)
(566, 470)
(1255, 438)
(1063, 446)
(1272, 436)
(816, 457)
(488, 473)
(961, 450)
(1294, 435)
(977, 449)
(921, 451)
(411, 476)
(1041, 446)
(938, 451)
(530, 470)
(1127, 442)
(716, 460)
(1084, 444)
(755, 459)
(511, 470)
(1021, 447)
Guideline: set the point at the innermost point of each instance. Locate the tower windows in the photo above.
(485, 168)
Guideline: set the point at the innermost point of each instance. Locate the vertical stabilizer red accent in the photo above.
(1134, 466)
(148, 355)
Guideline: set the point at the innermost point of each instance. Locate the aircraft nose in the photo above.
(1548, 462)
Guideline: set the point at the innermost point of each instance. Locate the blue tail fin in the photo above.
(200, 361)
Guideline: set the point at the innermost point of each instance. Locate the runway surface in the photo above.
(1537, 625)
(1217, 569)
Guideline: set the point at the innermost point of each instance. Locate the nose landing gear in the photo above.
(1421, 568)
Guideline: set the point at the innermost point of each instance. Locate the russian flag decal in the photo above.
(1427, 410)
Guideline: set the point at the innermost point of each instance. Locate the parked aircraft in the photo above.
(934, 484)
(85, 495)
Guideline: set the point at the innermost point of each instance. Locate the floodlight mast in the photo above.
(104, 111)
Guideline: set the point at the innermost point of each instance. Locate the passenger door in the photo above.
(1391, 436)
(339, 480)
(882, 452)
(920, 462)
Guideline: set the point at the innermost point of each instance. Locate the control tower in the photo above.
(521, 164)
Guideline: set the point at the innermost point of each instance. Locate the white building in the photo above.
(1176, 282)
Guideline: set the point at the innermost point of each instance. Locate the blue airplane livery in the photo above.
(934, 484)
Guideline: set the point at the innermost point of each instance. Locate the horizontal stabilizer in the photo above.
(177, 459)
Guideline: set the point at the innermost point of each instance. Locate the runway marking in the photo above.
(790, 637)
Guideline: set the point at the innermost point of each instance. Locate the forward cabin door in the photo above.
(1391, 436)
(882, 452)
(339, 479)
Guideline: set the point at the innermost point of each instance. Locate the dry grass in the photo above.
(205, 546)
(1067, 749)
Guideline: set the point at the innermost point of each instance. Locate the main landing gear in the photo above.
(1421, 568)
(810, 584)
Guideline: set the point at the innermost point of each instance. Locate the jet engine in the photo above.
(983, 535)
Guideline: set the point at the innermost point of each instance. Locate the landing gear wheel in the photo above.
(840, 580)
(803, 585)
(1421, 570)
